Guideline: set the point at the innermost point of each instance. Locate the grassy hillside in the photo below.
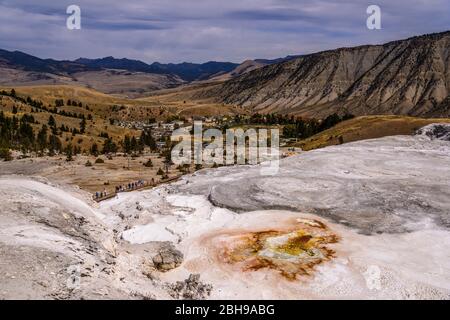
(161, 105)
(367, 127)
(97, 114)
(99, 102)
(165, 104)
(190, 101)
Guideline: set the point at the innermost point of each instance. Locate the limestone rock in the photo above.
(190, 289)
(168, 258)
(440, 131)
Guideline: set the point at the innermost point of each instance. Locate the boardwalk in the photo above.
(146, 185)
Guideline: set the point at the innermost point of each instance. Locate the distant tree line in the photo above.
(304, 128)
(37, 104)
(129, 145)
(17, 133)
(293, 127)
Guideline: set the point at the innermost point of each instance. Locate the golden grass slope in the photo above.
(193, 100)
(366, 127)
(182, 101)
(99, 109)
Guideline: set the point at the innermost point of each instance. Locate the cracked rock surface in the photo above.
(386, 185)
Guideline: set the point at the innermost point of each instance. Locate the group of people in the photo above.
(101, 194)
(130, 186)
(123, 188)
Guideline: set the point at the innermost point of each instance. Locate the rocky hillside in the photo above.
(407, 77)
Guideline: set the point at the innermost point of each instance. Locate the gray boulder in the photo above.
(167, 258)
(190, 289)
(440, 131)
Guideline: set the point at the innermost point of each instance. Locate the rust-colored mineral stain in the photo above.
(293, 252)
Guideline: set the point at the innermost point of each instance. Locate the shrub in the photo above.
(5, 154)
(160, 172)
(149, 163)
(88, 164)
(99, 160)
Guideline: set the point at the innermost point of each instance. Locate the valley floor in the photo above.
(368, 219)
(115, 171)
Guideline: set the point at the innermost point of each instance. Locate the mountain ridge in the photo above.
(185, 70)
(27, 62)
(409, 77)
(403, 77)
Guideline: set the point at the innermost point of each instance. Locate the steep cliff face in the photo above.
(403, 77)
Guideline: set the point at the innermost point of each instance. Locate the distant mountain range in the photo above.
(186, 71)
(128, 77)
(405, 77)
(26, 62)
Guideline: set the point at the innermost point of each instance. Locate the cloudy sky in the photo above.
(203, 30)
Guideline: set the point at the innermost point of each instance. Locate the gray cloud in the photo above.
(202, 30)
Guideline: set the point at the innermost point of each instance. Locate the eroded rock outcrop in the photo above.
(440, 131)
(406, 77)
(190, 289)
(167, 258)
